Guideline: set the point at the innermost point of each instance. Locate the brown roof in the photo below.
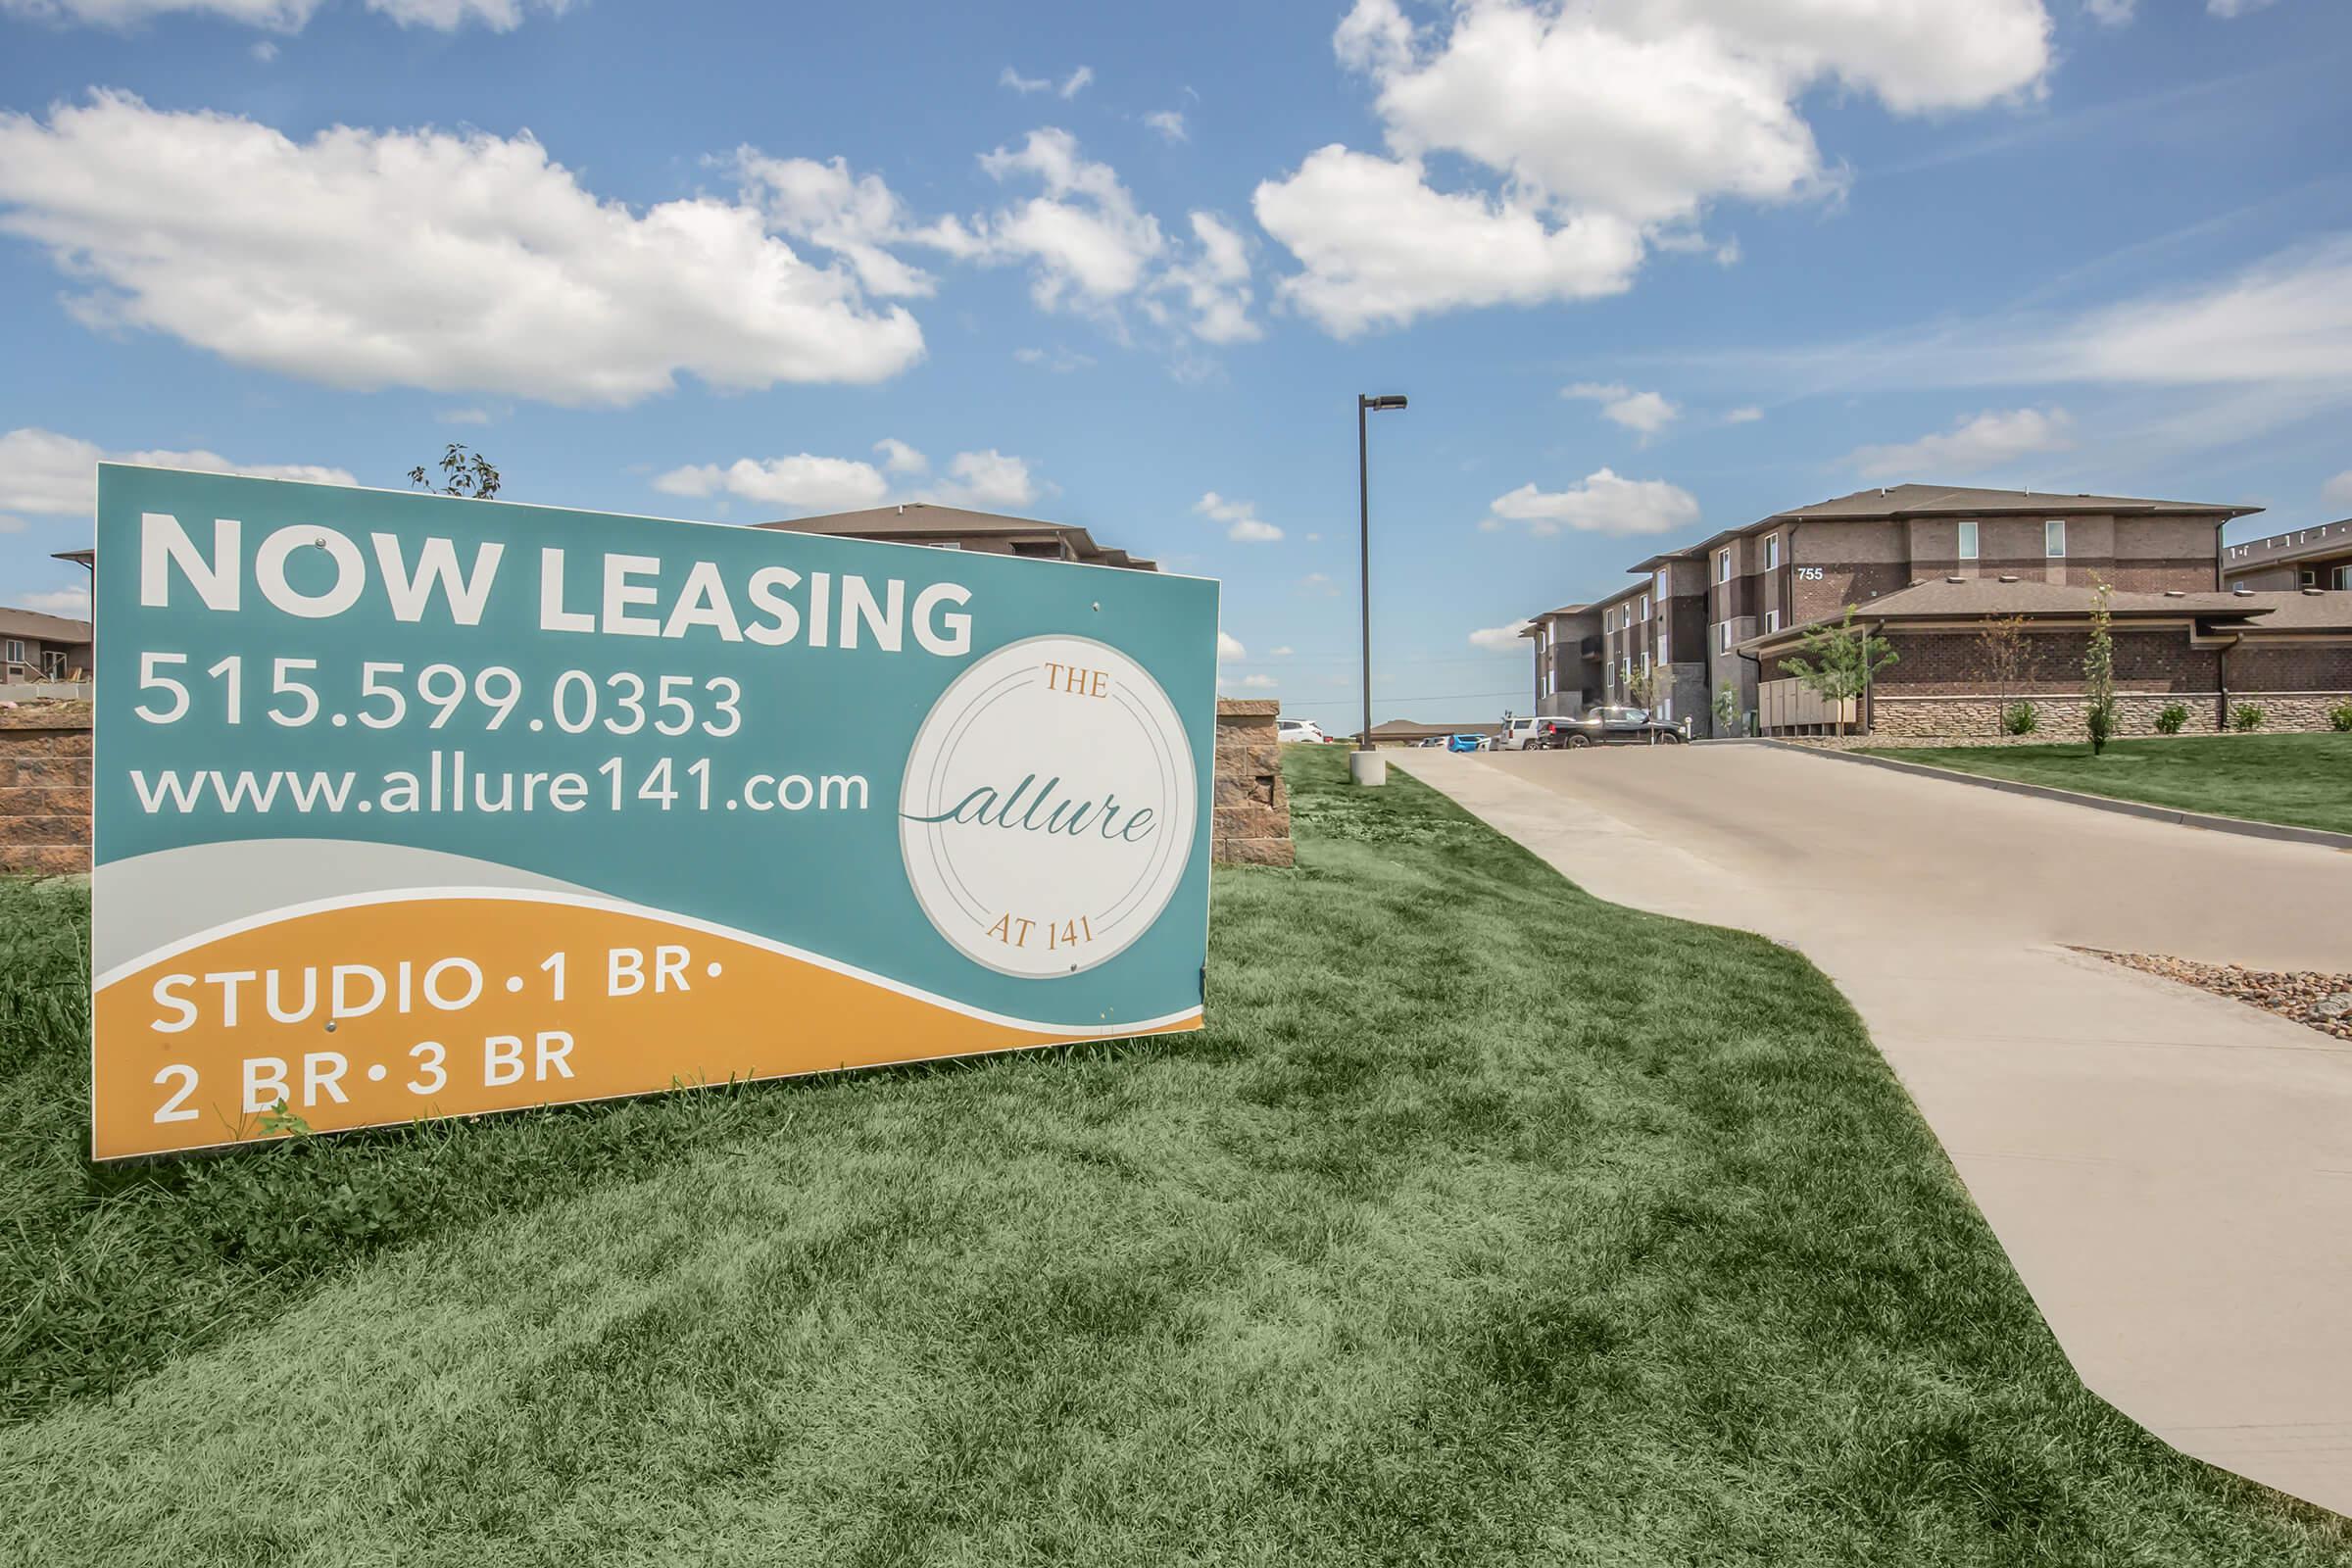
(1989, 596)
(1414, 729)
(916, 522)
(48, 628)
(2301, 544)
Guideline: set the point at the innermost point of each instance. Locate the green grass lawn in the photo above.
(1486, 1224)
(2301, 780)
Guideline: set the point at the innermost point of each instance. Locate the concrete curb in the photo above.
(2097, 803)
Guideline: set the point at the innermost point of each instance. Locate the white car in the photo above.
(1298, 730)
(1516, 733)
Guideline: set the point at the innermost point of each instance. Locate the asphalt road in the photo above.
(2170, 1171)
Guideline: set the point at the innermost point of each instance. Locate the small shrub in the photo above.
(2020, 718)
(2169, 721)
(2339, 718)
(2246, 716)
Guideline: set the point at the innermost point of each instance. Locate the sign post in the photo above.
(408, 807)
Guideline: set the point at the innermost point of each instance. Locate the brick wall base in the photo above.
(1250, 815)
(45, 788)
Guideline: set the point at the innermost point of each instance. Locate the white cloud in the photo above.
(808, 483)
(1315, 582)
(285, 15)
(1169, 122)
(1077, 81)
(72, 602)
(1499, 639)
(1380, 247)
(1746, 415)
(1974, 444)
(2289, 319)
(2337, 491)
(2233, 8)
(463, 415)
(1024, 86)
(1061, 360)
(1603, 503)
(1602, 122)
(264, 51)
(1284, 652)
(1258, 683)
(48, 475)
(804, 483)
(2111, 13)
(988, 480)
(1229, 647)
(426, 259)
(1214, 282)
(1086, 242)
(853, 216)
(1246, 526)
(1644, 412)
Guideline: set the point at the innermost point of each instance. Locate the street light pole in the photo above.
(1366, 765)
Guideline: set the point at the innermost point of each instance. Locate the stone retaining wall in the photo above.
(1977, 718)
(45, 788)
(1251, 813)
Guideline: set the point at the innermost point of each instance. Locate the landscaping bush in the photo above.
(2020, 718)
(2169, 721)
(2246, 716)
(2339, 718)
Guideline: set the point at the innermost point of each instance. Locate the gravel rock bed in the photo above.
(2320, 1001)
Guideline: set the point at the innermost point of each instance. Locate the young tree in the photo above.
(1838, 663)
(2002, 645)
(2098, 672)
(1645, 687)
(464, 473)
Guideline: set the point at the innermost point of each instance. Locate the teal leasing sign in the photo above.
(409, 806)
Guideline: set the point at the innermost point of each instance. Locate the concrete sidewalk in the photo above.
(2170, 1172)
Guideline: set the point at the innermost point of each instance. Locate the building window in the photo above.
(1968, 541)
(12, 651)
(1772, 620)
(1659, 581)
(1625, 668)
(54, 662)
(2053, 538)
(1723, 631)
(1662, 658)
(1772, 551)
(1644, 614)
(2344, 576)
(1645, 661)
(1723, 564)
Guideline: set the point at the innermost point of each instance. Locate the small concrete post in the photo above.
(1367, 768)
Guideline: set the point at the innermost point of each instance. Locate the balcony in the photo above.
(1589, 648)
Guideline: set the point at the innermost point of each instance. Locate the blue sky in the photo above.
(1646, 269)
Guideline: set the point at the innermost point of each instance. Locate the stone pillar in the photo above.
(45, 788)
(1251, 813)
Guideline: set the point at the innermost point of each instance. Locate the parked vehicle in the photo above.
(1303, 731)
(1516, 733)
(1465, 743)
(1605, 726)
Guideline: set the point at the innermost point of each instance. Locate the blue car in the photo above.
(1462, 742)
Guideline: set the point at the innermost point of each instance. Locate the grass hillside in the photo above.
(1486, 1224)
(2299, 780)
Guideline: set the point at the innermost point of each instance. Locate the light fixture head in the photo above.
(1389, 401)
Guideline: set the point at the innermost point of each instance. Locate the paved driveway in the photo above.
(2170, 1172)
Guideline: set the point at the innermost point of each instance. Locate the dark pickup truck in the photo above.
(1604, 726)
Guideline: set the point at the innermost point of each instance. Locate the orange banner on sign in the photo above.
(374, 1015)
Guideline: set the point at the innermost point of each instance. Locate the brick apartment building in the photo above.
(1930, 565)
(2318, 556)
